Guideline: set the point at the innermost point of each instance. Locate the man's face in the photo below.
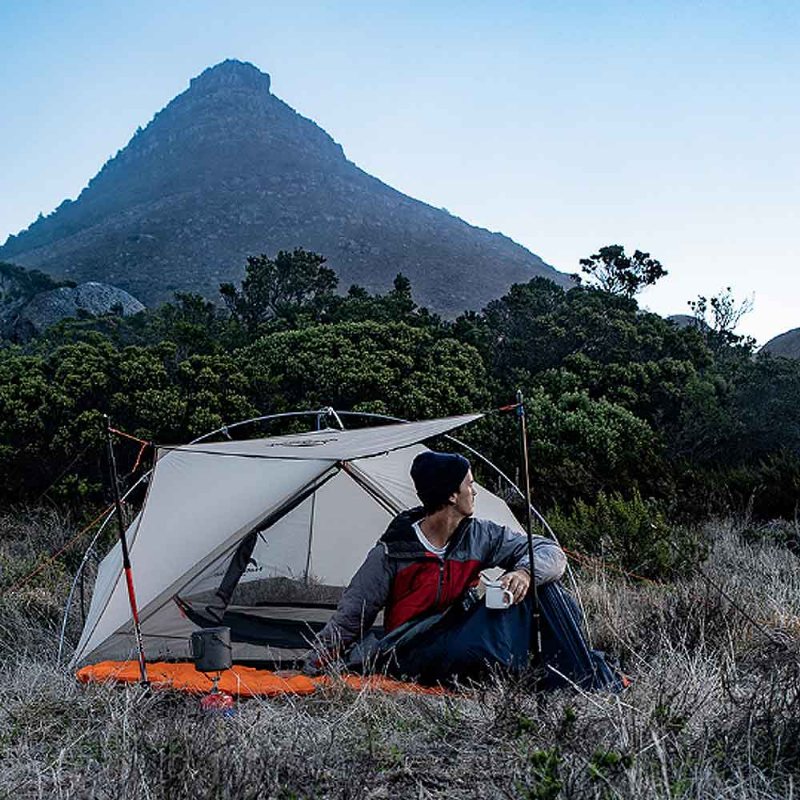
(464, 498)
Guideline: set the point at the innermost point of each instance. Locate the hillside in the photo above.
(786, 344)
(227, 170)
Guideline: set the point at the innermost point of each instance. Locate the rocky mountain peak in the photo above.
(230, 73)
(226, 170)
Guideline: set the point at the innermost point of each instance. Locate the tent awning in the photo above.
(331, 445)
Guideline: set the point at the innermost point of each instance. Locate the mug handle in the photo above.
(508, 598)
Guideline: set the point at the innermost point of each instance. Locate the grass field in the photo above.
(713, 712)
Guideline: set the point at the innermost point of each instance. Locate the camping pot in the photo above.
(210, 649)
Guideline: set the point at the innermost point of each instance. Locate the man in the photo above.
(425, 563)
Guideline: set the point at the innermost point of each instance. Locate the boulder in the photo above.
(687, 321)
(87, 299)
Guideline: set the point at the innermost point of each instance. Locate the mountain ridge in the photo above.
(784, 345)
(226, 170)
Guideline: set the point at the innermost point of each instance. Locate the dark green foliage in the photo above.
(196, 325)
(579, 446)
(618, 273)
(369, 366)
(620, 403)
(51, 408)
(763, 400)
(604, 340)
(632, 533)
(283, 289)
(544, 782)
(717, 318)
(765, 489)
(18, 283)
(737, 441)
(609, 764)
(397, 305)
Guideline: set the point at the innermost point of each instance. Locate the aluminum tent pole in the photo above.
(536, 627)
(126, 559)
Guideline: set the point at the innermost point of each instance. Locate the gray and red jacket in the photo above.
(400, 576)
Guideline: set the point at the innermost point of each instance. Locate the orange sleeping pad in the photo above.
(239, 681)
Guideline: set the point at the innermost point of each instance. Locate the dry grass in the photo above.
(713, 711)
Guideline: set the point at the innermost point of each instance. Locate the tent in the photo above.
(261, 535)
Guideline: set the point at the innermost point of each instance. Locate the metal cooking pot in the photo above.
(211, 650)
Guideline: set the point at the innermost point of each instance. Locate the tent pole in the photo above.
(126, 559)
(536, 627)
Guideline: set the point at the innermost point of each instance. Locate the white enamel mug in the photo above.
(497, 596)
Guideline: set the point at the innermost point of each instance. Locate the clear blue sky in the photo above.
(672, 127)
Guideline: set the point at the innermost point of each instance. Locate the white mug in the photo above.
(497, 596)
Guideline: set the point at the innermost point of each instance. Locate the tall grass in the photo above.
(713, 711)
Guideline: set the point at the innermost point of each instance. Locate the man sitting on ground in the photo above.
(423, 565)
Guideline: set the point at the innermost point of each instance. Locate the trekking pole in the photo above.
(536, 627)
(126, 559)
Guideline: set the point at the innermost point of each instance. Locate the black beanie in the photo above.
(437, 475)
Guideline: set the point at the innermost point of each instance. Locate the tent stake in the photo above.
(536, 627)
(126, 559)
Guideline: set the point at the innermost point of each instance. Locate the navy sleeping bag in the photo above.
(462, 645)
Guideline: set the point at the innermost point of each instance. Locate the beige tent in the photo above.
(261, 535)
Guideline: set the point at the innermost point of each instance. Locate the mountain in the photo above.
(786, 344)
(228, 170)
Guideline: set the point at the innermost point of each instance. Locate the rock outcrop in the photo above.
(228, 170)
(687, 321)
(48, 308)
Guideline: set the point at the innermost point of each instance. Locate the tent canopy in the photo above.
(261, 535)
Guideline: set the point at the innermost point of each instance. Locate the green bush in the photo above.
(762, 490)
(632, 534)
(618, 400)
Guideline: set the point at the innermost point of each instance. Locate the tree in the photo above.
(18, 283)
(281, 288)
(393, 368)
(538, 326)
(397, 305)
(51, 408)
(617, 273)
(719, 316)
(193, 323)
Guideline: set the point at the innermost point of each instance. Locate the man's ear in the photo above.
(453, 499)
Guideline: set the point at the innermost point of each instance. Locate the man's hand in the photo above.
(517, 583)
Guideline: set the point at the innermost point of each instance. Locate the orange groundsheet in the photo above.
(241, 681)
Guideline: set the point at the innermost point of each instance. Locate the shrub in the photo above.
(632, 534)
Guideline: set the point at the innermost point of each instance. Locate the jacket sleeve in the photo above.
(511, 552)
(362, 600)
